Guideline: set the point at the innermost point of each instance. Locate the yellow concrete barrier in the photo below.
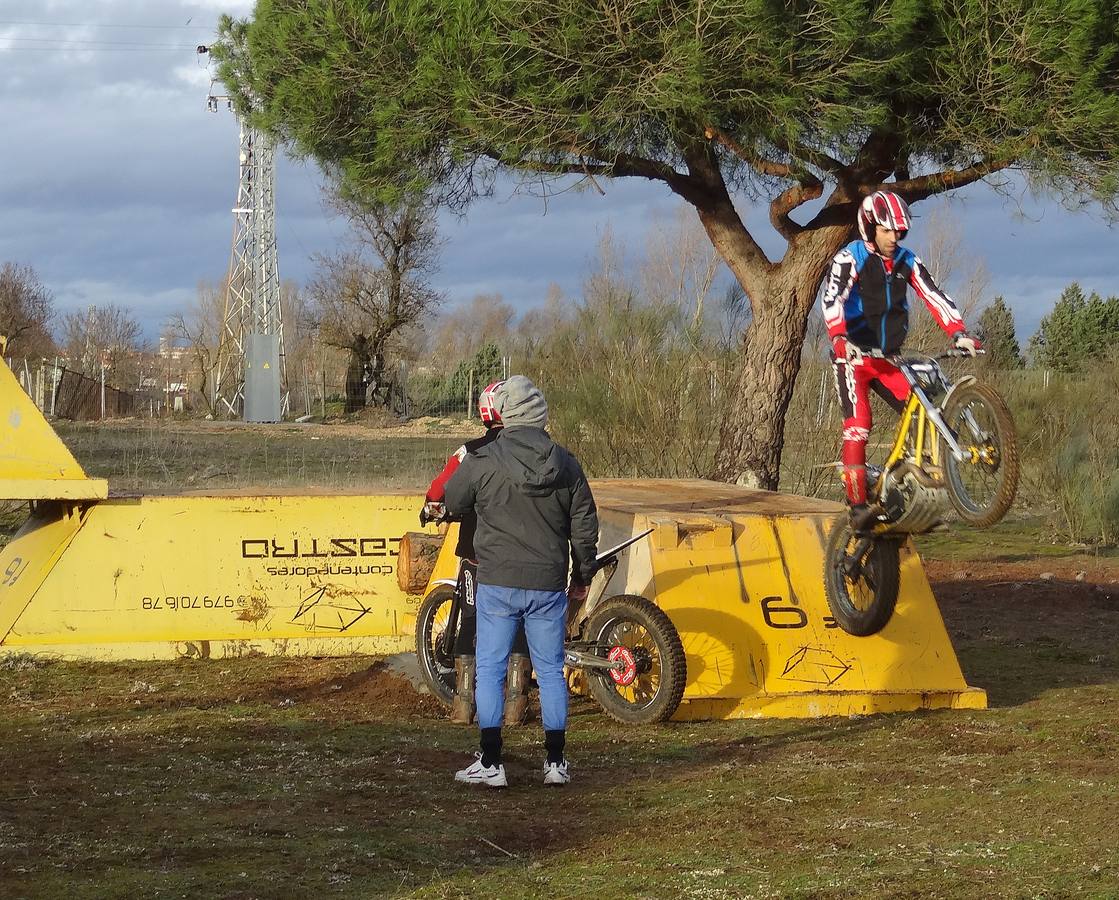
(209, 575)
(216, 574)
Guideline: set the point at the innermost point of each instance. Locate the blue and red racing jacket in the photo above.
(436, 492)
(866, 298)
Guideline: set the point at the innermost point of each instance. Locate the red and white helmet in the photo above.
(487, 404)
(883, 208)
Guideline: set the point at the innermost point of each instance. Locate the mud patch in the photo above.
(376, 690)
(256, 608)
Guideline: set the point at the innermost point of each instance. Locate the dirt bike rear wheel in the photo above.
(982, 487)
(639, 632)
(861, 604)
(436, 668)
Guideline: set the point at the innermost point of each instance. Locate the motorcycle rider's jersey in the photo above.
(468, 523)
(866, 297)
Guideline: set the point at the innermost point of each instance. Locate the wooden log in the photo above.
(418, 552)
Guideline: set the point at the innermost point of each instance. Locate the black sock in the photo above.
(554, 741)
(491, 746)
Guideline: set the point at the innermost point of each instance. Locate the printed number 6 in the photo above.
(14, 570)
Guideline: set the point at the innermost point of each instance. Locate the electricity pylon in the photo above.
(250, 377)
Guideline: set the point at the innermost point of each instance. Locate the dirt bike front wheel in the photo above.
(861, 582)
(649, 685)
(436, 667)
(982, 486)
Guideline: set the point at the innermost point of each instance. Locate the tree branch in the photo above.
(623, 166)
(788, 200)
(914, 189)
(762, 165)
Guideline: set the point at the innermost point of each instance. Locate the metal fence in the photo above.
(82, 398)
(408, 392)
(66, 394)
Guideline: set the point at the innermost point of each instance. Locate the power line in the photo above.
(149, 49)
(93, 42)
(103, 25)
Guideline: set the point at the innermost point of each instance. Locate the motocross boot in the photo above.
(462, 705)
(864, 517)
(516, 689)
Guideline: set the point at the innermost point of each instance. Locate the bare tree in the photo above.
(363, 299)
(463, 330)
(106, 336)
(681, 265)
(963, 274)
(26, 309)
(200, 327)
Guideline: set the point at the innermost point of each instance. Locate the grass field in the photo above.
(310, 778)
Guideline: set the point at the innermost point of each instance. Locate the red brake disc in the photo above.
(627, 675)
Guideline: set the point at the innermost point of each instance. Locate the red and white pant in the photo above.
(853, 382)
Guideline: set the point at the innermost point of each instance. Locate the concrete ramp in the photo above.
(740, 573)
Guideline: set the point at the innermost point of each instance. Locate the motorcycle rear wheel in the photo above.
(861, 604)
(639, 631)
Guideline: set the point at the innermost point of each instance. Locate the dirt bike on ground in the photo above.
(626, 646)
(955, 448)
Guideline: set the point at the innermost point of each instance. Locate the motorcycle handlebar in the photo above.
(952, 353)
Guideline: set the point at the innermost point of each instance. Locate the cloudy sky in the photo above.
(116, 183)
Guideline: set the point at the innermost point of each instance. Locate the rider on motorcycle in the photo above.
(866, 309)
(516, 687)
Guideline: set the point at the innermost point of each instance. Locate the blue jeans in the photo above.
(544, 613)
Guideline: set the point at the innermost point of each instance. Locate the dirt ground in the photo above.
(371, 426)
(274, 777)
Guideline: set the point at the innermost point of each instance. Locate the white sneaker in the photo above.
(476, 773)
(557, 773)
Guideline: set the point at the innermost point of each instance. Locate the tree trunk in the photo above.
(752, 434)
(357, 374)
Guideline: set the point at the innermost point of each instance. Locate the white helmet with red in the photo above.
(487, 406)
(883, 208)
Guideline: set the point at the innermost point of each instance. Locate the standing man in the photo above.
(535, 513)
(434, 510)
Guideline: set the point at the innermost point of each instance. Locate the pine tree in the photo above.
(818, 100)
(996, 331)
(1078, 329)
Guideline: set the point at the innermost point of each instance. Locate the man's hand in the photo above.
(433, 511)
(577, 593)
(967, 343)
(845, 350)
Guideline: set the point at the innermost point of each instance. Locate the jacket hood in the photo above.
(534, 461)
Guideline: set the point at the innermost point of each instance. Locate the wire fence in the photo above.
(405, 391)
(63, 393)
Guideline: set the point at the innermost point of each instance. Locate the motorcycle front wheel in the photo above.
(649, 685)
(982, 486)
(432, 620)
(861, 593)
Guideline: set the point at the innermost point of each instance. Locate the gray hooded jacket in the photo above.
(534, 506)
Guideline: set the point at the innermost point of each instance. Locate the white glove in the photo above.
(433, 511)
(967, 343)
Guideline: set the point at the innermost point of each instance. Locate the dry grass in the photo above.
(280, 777)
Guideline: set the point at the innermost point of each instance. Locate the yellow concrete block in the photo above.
(226, 575)
(34, 463)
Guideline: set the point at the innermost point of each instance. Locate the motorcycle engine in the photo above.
(915, 500)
